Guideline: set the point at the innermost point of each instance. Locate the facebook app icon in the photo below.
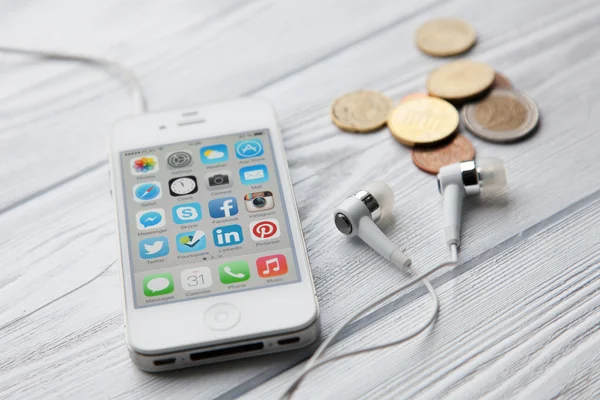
(224, 207)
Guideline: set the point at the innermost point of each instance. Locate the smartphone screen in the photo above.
(206, 218)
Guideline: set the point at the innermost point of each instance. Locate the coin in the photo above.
(424, 120)
(503, 116)
(445, 37)
(361, 111)
(460, 80)
(501, 81)
(413, 96)
(431, 160)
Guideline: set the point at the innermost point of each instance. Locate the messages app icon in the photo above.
(158, 284)
(154, 247)
(187, 213)
(214, 154)
(254, 174)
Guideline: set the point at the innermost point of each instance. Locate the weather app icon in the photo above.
(214, 154)
(154, 247)
(147, 191)
(249, 148)
(150, 219)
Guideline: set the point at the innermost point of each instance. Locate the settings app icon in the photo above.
(179, 159)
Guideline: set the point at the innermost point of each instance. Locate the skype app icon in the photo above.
(187, 213)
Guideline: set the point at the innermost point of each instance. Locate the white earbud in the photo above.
(467, 178)
(358, 214)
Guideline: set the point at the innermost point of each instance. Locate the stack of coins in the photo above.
(464, 90)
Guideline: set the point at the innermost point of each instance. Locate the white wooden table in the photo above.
(520, 314)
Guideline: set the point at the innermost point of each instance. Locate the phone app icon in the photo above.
(147, 191)
(183, 185)
(196, 278)
(228, 235)
(179, 159)
(271, 266)
(187, 213)
(145, 165)
(249, 149)
(225, 207)
(218, 180)
(188, 242)
(158, 284)
(259, 201)
(265, 229)
(150, 219)
(234, 271)
(254, 174)
(214, 154)
(154, 247)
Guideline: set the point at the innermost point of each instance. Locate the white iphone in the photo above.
(214, 265)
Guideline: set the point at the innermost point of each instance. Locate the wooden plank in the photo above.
(521, 324)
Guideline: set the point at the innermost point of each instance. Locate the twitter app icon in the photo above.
(154, 247)
(214, 154)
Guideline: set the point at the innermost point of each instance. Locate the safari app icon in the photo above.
(158, 284)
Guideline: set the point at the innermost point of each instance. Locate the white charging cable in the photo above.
(312, 363)
(139, 100)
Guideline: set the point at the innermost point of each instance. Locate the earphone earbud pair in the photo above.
(358, 214)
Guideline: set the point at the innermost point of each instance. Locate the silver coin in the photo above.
(503, 116)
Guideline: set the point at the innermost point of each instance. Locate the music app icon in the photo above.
(271, 266)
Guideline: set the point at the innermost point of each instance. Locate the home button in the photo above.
(221, 316)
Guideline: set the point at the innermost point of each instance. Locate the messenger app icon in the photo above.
(187, 213)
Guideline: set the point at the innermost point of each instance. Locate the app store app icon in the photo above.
(249, 149)
(187, 213)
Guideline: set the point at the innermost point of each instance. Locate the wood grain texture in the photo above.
(60, 324)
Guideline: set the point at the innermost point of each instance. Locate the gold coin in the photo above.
(423, 120)
(361, 111)
(460, 80)
(445, 37)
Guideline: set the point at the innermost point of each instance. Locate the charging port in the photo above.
(226, 351)
(164, 361)
(291, 340)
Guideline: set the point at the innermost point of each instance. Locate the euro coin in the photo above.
(423, 120)
(460, 80)
(361, 111)
(444, 37)
(431, 160)
(503, 116)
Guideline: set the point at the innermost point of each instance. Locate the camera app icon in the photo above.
(218, 180)
(259, 201)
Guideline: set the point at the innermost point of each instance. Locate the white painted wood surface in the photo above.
(518, 316)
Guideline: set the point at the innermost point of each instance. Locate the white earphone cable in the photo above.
(454, 252)
(312, 363)
(139, 100)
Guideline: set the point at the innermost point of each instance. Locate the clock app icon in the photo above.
(183, 185)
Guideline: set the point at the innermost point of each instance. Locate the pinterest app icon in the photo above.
(265, 229)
